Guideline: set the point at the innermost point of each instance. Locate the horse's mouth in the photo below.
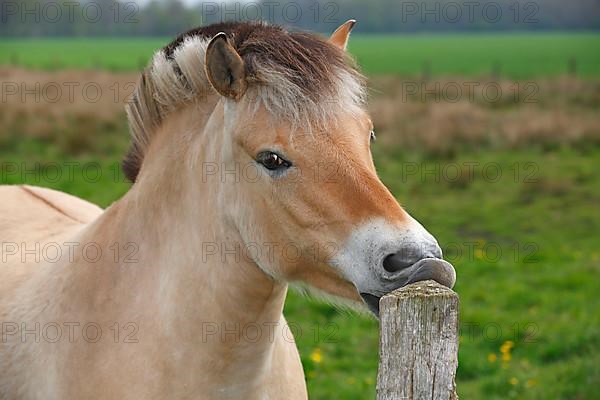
(372, 302)
(435, 269)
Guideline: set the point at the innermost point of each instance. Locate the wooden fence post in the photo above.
(418, 344)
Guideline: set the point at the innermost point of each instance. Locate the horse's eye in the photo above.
(373, 137)
(272, 161)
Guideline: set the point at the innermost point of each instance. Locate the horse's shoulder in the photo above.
(30, 218)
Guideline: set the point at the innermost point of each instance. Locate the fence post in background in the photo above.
(572, 66)
(418, 344)
(496, 71)
(426, 71)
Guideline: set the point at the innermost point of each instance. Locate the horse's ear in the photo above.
(225, 68)
(342, 34)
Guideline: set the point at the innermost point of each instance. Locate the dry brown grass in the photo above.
(552, 111)
(40, 99)
(78, 110)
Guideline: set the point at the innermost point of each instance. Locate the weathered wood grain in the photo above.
(418, 347)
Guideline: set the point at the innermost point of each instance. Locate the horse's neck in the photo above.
(183, 279)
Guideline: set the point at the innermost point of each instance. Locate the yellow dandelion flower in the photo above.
(312, 374)
(479, 254)
(492, 357)
(506, 357)
(507, 346)
(530, 383)
(316, 356)
(513, 381)
(369, 380)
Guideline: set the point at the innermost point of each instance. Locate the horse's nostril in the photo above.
(396, 262)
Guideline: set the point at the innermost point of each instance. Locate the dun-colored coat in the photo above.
(252, 170)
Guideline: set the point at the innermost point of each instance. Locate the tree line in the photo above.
(42, 18)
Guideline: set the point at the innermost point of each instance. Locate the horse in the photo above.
(251, 171)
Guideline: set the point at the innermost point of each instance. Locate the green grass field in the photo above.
(517, 56)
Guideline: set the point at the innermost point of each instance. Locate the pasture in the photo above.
(518, 218)
(517, 56)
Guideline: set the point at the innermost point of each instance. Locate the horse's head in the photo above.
(307, 202)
